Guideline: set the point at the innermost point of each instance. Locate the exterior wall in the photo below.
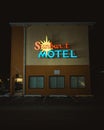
(75, 35)
(67, 71)
(17, 41)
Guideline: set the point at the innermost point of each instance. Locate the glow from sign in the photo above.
(50, 50)
(57, 54)
(46, 45)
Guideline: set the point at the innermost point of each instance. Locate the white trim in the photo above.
(32, 95)
(49, 23)
(58, 95)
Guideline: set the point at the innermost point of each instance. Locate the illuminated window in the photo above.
(77, 81)
(56, 81)
(36, 81)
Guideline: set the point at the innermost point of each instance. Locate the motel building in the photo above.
(50, 58)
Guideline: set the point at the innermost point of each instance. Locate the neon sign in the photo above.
(50, 50)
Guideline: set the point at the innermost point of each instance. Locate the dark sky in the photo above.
(39, 12)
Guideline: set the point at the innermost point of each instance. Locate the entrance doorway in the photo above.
(18, 86)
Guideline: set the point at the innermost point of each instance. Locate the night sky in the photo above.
(18, 12)
(5, 50)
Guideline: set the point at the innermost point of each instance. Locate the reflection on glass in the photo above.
(77, 82)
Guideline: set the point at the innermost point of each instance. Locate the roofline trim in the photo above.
(49, 23)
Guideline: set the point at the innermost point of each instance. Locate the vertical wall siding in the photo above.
(17, 41)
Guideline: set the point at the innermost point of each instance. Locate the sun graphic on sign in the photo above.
(46, 45)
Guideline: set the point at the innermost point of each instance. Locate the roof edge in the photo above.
(49, 23)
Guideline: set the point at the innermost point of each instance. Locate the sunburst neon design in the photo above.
(46, 45)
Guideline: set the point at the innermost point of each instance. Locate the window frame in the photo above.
(56, 83)
(78, 87)
(36, 76)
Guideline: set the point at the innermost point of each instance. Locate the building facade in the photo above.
(51, 58)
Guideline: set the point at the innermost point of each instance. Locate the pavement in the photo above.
(24, 112)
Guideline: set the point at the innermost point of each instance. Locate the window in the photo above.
(56, 81)
(36, 81)
(77, 82)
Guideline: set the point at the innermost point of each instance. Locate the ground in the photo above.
(51, 113)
